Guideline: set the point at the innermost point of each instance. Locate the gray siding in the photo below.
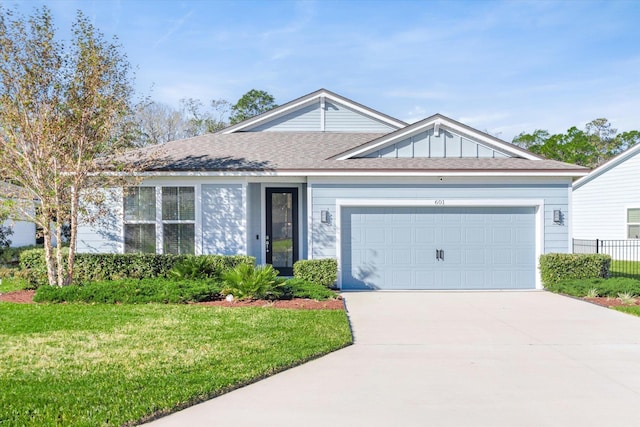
(324, 198)
(223, 219)
(103, 234)
(445, 144)
(339, 118)
(304, 119)
(254, 230)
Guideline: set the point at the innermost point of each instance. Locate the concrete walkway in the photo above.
(454, 359)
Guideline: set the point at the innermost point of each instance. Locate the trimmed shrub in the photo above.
(321, 271)
(10, 257)
(602, 287)
(557, 267)
(300, 288)
(97, 267)
(131, 291)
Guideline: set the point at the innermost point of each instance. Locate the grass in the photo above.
(87, 365)
(632, 309)
(629, 269)
(9, 284)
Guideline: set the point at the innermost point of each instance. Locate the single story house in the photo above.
(23, 231)
(430, 205)
(606, 203)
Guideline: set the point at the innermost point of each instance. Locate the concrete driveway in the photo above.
(454, 359)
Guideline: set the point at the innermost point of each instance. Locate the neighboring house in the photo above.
(23, 230)
(431, 205)
(607, 201)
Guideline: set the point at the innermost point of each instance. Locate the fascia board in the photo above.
(620, 158)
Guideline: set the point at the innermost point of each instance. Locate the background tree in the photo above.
(251, 104)
(156, 123)
(201, 120)
(591, 147)
(62, 108)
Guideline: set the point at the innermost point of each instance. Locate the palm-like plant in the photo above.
(249, 282)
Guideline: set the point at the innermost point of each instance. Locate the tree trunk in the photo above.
(59, 264)
(48, 252)
(74, 229)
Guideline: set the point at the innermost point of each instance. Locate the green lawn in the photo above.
(632, 309)
(89, 365)
(625, 269)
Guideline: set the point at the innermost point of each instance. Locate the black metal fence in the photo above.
(625, 254)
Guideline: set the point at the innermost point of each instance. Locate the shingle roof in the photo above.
(311, 151)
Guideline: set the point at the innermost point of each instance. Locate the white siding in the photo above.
(600, 205)
(223, 219)
(104, 233)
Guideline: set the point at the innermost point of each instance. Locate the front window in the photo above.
(633, 223)
(139, 220)
(178, 220)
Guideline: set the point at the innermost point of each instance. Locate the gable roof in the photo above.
(612, 163)
(306, 100)
(437, 120)
(313, 153)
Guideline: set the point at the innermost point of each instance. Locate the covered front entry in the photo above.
(438, 247)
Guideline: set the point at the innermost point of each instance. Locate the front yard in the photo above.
(78, 364)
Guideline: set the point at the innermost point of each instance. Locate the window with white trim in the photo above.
(178, 220)
(633, 223)
(139, 219)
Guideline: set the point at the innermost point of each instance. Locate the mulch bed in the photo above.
(23, 297)
(26, 297)
(609, 302)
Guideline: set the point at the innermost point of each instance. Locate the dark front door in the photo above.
(282, 229)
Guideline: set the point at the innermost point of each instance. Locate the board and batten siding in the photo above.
(600, 205)
(223, 219)
(104, 234)
(324, 196)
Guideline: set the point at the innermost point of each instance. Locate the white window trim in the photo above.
(627, 223)
(538, 204)
(126, 221)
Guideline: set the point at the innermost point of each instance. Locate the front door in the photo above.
(282, 229)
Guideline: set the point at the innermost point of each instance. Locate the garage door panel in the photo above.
(395, 248)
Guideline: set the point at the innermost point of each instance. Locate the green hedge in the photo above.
(97, 267)
(132, 291)
(557, 267)
(321, 271)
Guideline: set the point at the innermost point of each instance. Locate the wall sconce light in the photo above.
(557, 216)
(324, 217)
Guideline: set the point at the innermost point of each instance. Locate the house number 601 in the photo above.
(439, 202)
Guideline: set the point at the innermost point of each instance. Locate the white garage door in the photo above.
(438, 248)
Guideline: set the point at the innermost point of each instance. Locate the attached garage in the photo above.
(438, 247)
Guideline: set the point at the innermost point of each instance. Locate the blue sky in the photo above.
(499, 66)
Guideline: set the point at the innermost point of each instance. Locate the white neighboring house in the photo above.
(606, 203)
(24, 231)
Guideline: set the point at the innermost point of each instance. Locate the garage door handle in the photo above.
(440, 254)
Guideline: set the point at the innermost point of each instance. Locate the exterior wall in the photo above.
(24, 233)
(254, 223)
(304, 119)
(339, 118)
(555, 195)
(105, 233)
(223, 219)
(445, 144)
(600, 205)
